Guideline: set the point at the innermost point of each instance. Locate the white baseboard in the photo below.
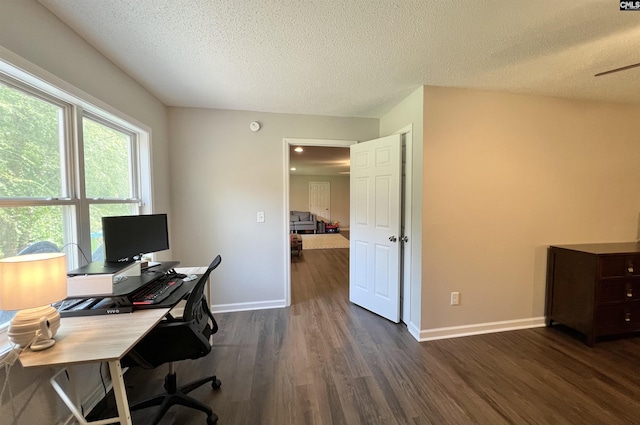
(476, 329)
(414, 330)
(229, 308)
(261, 305)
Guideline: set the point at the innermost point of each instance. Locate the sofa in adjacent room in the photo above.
(302, 220)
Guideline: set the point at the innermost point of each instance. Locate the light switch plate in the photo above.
(260, 216)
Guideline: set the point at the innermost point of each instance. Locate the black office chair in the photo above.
(176, 339)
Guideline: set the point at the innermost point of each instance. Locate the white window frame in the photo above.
(35, 80)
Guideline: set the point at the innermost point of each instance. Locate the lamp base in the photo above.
(27, 324)
(42, 344)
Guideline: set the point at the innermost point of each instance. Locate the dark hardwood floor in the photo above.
(325, 361)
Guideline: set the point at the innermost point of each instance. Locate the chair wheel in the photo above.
(215, 384)
(212, 420)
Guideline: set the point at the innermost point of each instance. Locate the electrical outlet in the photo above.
(455, 298)
(260, 216)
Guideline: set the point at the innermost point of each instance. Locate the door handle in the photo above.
(393, 238)
(405, 239)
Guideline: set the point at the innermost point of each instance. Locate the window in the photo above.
(110, 176)
(58, 179)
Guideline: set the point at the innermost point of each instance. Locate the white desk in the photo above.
(94, 339)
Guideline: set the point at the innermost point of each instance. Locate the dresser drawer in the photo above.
(613, 291)
(620, 265)
(619, 318)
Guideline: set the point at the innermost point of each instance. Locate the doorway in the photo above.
(406, 200)
(287, 143)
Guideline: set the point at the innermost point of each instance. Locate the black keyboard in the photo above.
(157, 291)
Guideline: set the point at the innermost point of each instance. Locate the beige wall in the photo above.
(223, 175)
(339, 202)
(507, 175)
(35, 35)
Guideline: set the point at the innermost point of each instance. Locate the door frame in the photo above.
(287, 143)
(407, 174)
(407, 133)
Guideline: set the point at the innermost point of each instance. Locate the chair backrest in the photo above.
(183, 338)
(192, 309)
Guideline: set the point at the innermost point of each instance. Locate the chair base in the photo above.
(178, 396)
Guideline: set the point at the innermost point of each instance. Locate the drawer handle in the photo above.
(627, 317)
(629, 293)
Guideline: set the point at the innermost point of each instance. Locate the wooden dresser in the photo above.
(594, 288)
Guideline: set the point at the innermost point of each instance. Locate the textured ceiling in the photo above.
(359, 58)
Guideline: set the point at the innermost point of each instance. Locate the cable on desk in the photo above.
(79, 249)
(104, 386)
(7, 369)
(8, 360)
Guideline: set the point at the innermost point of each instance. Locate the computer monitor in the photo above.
(127, 237)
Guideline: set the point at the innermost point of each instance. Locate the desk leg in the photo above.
(76, 412)
(120, 392)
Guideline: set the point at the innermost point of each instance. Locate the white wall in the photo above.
(507, 175)
(223, 174)
(339, 200)
(30, 31)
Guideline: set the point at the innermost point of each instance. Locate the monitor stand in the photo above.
(150, 265)
(99, 267)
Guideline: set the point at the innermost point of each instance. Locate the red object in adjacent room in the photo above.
(332, 228)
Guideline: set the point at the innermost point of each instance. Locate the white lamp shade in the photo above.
(35, 280)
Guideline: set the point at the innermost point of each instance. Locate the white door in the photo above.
(374, 266)
(320, 200)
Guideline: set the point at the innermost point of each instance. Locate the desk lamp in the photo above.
(30, 283)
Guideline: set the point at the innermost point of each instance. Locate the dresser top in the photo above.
(604, 248)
